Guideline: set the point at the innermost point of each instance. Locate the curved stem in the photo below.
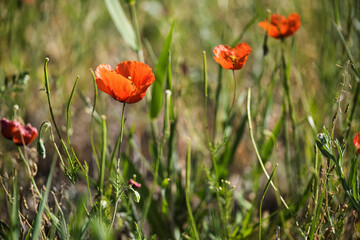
(47, 89)
(257, 151)
(29, 172)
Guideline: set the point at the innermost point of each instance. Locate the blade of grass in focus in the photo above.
(122, 23)
(38, 219)
(14, 217)
(157, 92)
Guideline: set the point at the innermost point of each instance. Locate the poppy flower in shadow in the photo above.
(134, 184)
(232, 58)
(128, 83)
(281, 27)
(357, 142)
(18, 133)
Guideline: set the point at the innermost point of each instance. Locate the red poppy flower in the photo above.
(134, 183)
(128, 83)
(281, 27)
(357, 142)
(18, 133)
(232, 58)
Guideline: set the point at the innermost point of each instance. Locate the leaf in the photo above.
(4, 229)
(38, 219)
(353, 178)
(157, 93)
(122, 23)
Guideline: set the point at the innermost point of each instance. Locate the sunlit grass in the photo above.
(201, 144)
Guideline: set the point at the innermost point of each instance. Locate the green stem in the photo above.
(116, 205)
(47, 89)
(234, 96)
(210, 145)
(263, 196)
(165, 136)
(217, 101)
(148, 200)
(29, 172)
(137, 31)
(257, 151)
(187, 196)
(92, 119)
(286, 85)
(121, 137)
(103, 156)
(118, 142)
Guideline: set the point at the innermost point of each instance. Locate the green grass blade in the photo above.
(348, 51)
(122, 23)
(246, 28)
(157, 223)
(170, 87)
(103, 156)
(38, 218)
(263, 196)
(187, 197)
(160, 74)
(353, 178)
(268, 147)
(14, 217)
(92, 120)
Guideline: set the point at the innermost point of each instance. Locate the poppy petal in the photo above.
(8, 128)
(24, 133)
(121, 87)
(18, 133)
(140, 73)
(101, 73)
(230, 58)
(281, 27)
(136, 96)
(222, 56)
(357, 140)
(128, 83)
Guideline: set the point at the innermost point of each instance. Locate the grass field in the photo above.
(256, 143)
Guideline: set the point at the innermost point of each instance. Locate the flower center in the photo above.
(233, 58)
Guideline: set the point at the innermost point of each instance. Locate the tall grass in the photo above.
(215, 160)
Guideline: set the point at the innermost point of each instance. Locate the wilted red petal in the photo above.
(230, 58)
(18, 133)
(8, 128)
(281, 27)
(134, 183)
(26, 133)
(128, 83)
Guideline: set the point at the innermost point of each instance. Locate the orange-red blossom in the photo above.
(232, 58)
(281, 27)
(128, 83)
(357, 142)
